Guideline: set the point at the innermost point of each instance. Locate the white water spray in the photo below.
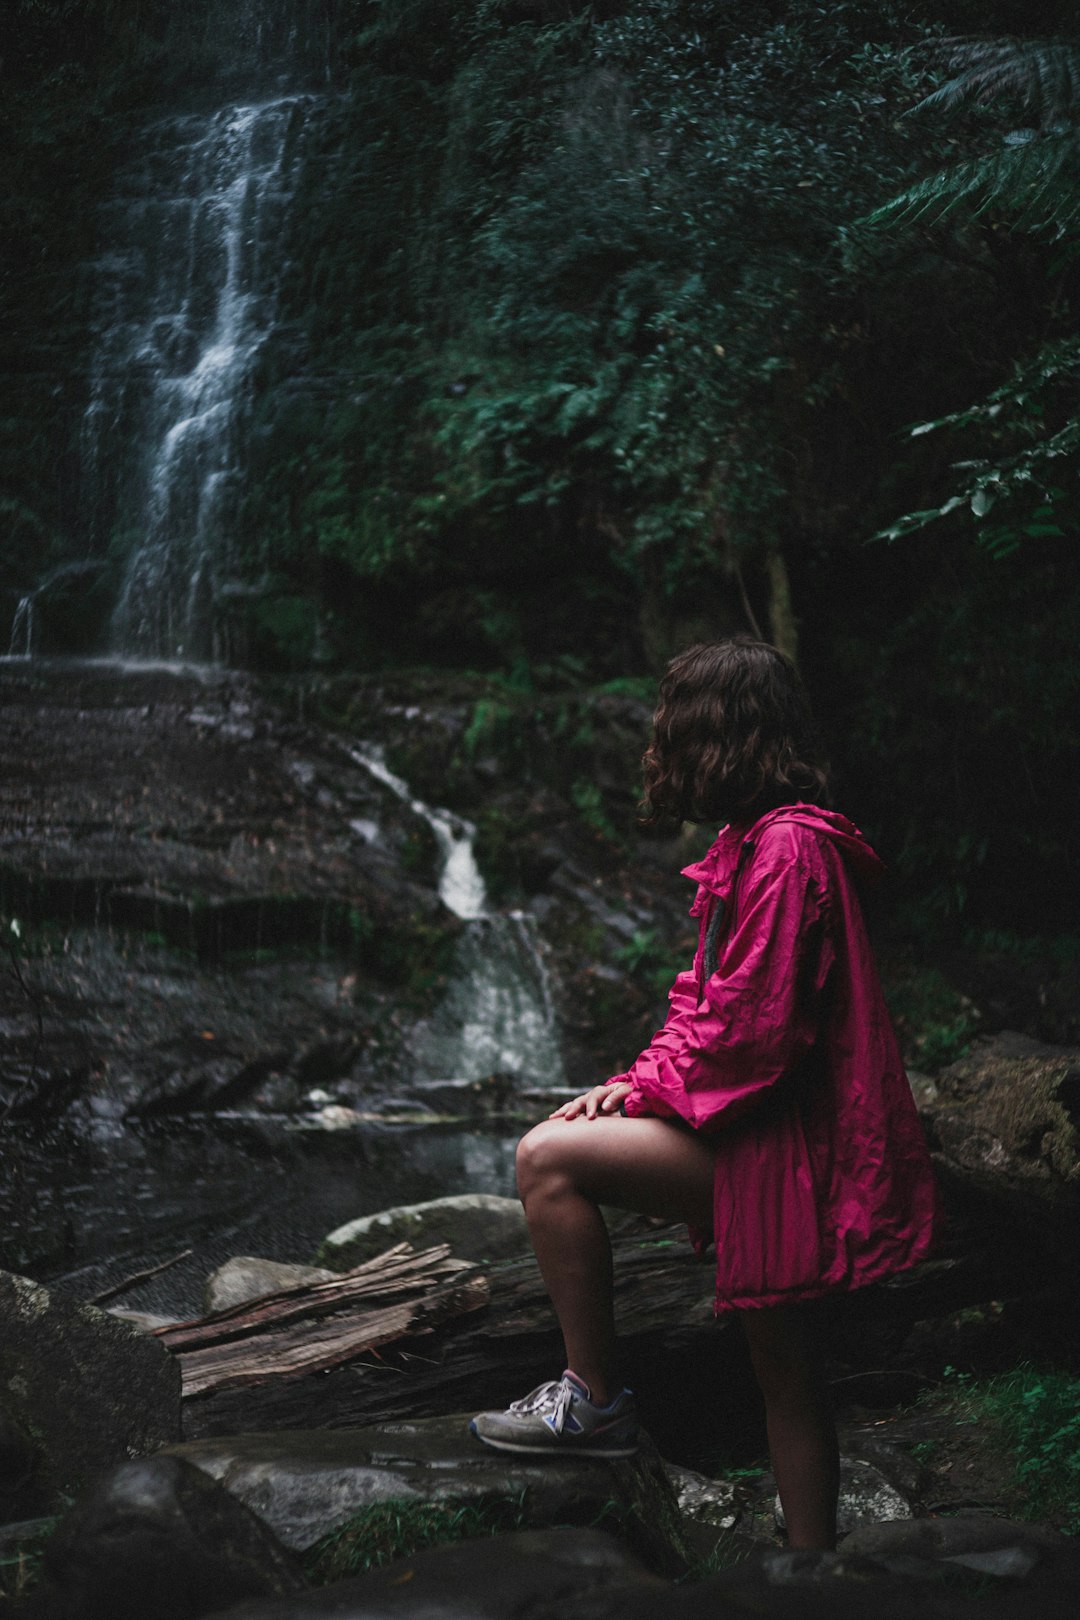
(186, 298)
(461, 887)
(497, 1015)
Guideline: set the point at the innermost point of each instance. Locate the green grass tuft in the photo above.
(398, 1528)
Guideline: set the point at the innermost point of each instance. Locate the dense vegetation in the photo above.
(599, 334)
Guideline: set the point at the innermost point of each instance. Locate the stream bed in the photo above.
(82, 1213)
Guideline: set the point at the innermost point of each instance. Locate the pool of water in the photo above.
(81, 1214)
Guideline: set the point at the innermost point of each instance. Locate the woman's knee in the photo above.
(541, 1155)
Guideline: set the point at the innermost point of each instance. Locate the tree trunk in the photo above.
(782, 621)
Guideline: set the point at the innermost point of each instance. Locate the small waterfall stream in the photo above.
(497, 1015)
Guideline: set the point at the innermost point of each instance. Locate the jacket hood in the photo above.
(865, 865)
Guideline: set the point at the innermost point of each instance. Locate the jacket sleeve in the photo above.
(715, 1060)
(682, 1000)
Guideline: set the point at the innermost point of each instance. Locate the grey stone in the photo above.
(477, 1226)
(866, 1497)
(898, 1466)
(704, 1500)
(948, 1538)
(87, 1390)
(144, 1321)
(306, 1483)
(1013, 1563)
(247, 1277)
(523, 1575)
(158, 1537)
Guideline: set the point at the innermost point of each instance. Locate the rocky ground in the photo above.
(227, 936)
(218, 903)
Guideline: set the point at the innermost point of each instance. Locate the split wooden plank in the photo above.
(314, 1327)
(398, 1270)
(297, 1350)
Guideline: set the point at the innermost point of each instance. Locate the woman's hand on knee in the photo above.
(600, 1100)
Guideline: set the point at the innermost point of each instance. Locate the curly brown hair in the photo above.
(733, 737)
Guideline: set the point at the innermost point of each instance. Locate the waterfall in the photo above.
(22, 628)
(185, 299)
(497, 1015)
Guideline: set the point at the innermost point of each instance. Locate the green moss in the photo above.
(399, 1528)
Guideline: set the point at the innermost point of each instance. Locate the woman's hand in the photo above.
(600, 1100)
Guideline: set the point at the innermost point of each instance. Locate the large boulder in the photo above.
(159, 1537)
(477, 1226)
(306, 1484)
(547, 1575)
(524, 1575)
(79, 1391)
(1004, 1127)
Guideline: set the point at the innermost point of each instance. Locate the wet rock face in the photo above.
(79, 1390)
(159, 1537)
(170, 837)
(155, 825)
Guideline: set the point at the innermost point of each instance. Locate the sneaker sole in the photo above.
(559, 1449)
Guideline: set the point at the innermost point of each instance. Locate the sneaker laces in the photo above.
(554, 1397)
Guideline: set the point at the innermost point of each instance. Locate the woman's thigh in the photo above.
(653, 1166)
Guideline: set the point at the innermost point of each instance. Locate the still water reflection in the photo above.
(80, 1215)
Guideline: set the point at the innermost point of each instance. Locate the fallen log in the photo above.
(690, 1371)
(314, 1327)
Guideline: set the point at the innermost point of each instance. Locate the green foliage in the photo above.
(647, 958)
(1028, 184)
(1019, 418)
(20, 1567)
(729, 1549)
(398, 1528)
(935, 1021)
(589, 802)
(1036, 1415)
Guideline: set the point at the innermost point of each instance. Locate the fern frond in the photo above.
(1043, 73)
(1037, 184)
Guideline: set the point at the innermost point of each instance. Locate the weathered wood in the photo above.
(690, 1371)
(314, 1327)
(302, 1349)
(396, 1270)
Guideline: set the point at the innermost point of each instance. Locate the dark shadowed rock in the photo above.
(158, 1538)
(79, 1388)
(1006, 1125)
(967, 1534)
(309, 1482)
(529, 1573)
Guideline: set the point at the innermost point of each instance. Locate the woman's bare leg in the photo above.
(802, 1433)
(566, 1170)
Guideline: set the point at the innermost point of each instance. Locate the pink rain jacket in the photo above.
(786, 1055)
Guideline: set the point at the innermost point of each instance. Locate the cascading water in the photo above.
(186, 298)
(496, 1016)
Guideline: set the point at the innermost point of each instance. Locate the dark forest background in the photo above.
(598, 335)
